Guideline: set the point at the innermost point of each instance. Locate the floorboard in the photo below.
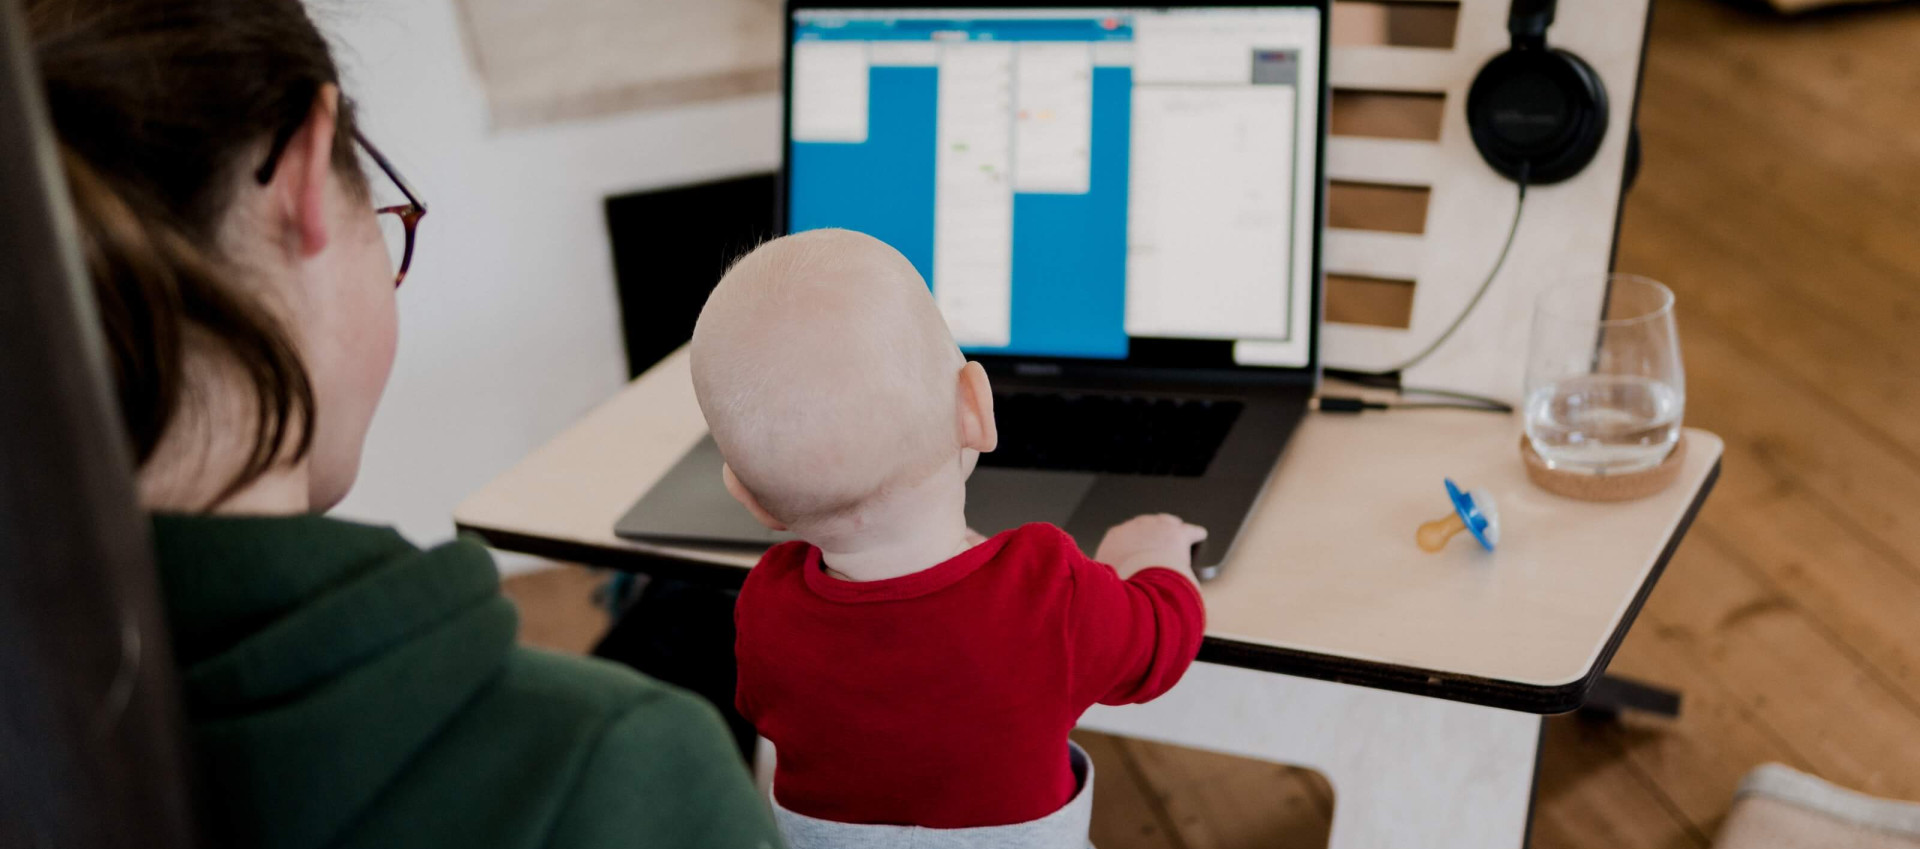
(1738, 632)
(557, 610)
(1697, 760)
(1126, 814)
(1221, 802)
(1591, 794)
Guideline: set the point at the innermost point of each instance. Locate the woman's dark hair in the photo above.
(161, 108)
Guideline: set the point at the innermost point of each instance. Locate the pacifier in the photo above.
(1473, 512)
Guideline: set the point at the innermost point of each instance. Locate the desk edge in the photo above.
(605, 557)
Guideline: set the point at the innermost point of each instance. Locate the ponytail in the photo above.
(159, 294)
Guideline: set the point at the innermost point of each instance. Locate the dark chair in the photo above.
(91, 748)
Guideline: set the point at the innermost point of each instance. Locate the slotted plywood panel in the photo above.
(1566, 228)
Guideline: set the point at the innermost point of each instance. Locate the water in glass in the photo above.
(1604, 424)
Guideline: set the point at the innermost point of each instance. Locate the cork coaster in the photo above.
(1586, 487)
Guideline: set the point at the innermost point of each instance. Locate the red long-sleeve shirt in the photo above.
(943, 698)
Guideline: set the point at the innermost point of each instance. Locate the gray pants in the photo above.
(1063, 829)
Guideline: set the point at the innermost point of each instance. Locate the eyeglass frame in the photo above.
(409, 213)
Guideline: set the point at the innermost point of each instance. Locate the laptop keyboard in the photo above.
(1112, 434)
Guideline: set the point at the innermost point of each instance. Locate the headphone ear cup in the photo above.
(1537, 112)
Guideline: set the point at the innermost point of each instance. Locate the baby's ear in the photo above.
(977, 429)
(739, 492)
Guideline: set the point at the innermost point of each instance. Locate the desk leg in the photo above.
(1406, 771)
(1613, 694)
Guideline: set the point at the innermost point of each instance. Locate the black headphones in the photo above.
(1537, 113)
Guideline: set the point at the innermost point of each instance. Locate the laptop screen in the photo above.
(1075, 182)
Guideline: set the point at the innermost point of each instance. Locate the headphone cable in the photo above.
(1499, 263)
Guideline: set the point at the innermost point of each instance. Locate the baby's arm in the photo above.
(1133, 638)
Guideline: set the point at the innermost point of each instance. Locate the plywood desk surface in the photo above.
(1325, 580)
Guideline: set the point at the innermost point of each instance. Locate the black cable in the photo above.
(1499, 263)
(1342, 404)
(1366, 378)
(1392, 382)
(1349, 404)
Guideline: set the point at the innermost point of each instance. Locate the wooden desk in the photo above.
(1325, 583)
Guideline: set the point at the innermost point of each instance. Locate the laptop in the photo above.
(1119, 212)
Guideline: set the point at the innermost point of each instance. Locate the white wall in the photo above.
(509, 324)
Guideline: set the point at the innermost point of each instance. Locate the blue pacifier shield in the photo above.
(1476, 519)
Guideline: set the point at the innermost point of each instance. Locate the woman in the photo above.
(343, 687)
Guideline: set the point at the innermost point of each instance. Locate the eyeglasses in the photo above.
(408, 214)
(398, 230)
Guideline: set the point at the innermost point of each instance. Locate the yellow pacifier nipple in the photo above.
(1434, 535)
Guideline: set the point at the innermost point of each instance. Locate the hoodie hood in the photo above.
(338, 647)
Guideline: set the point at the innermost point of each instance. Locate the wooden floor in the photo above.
(1781, 200)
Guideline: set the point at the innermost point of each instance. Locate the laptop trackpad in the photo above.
(691, 505)
(1000, 499)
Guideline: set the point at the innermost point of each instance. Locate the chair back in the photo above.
(92, 753)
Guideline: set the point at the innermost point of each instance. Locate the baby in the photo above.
(911, 675)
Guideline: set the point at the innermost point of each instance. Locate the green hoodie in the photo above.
(346, 689)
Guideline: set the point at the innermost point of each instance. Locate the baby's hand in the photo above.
(1160, 539)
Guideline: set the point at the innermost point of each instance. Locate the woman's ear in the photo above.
(305, 173)
(739, 492)
(977, 428)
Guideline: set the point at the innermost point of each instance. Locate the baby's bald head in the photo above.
(826, 374)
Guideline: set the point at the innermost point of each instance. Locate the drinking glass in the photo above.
(1605, 385)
